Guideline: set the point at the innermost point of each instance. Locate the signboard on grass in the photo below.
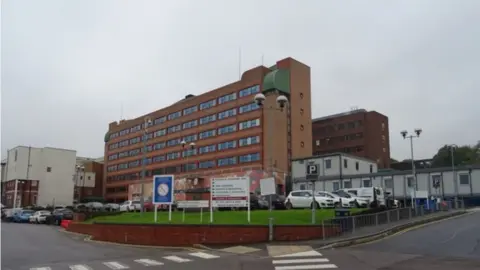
(230, 192)
(267, 186)
(193, 204)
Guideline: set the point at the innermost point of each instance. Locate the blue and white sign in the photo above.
(163, 186)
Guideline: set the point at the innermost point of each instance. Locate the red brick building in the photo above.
(232, 134)
(358, 132)
(88, 181)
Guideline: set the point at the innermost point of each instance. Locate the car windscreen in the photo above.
(27, 212)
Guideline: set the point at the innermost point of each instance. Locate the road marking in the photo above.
(176, 259)
(301, 254)
(79, 267)
(148, 262)
(306, 267)
(41, 268)
(204, 255)
(115, 265)
(321, 260)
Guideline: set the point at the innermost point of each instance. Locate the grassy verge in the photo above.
(258, 217)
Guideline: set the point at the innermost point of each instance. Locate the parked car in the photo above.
(304, 199)
(40, 216)
(375, 195)
(22, 216)
(8, 214)
(359, 202)
(337, 200)
(130, 206)
(112, 207)
(94, 206)
(278, 201)
(58, 215)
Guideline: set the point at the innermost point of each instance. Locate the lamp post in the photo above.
(405, 135)
(78, 171)
(187, 152)
(147, 123)
(454, 176)
(281, 104)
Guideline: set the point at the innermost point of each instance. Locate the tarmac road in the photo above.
(43, 247)
(448, 244)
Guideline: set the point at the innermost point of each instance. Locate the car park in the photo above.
(304, 199)
(40, 216)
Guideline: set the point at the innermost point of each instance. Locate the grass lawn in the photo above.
(258, 217)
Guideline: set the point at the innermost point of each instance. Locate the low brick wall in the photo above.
(188, 235)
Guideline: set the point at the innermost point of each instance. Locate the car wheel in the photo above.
(317, 206)
(288, 206)
(357, 205)
(337, 205)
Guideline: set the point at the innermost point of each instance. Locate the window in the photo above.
(113, 135)
(124, 132)
(328, 163)
(248, 108)
(250, 158)
(123, 143)
(49, 169)
(345, 163)
(357, 166)
(464, 179)
(173, 129)
(388, 182)
(160, 132)
(317, 142)
(159, 145)
(227, 113)
(190, 138)
(249, 124)
(160, 120)
(113, 157)
(371, 168)
(135, 128)
(133, 152)
(133, 164)
(336, 186)
(208, 119)
(206, 164)
(174, 142)
(436, 181)
(190, 124)
(174, 115)
(208, 104)
(123, 154)
(227, 129)
(410, 181)
(123, 166)
(249, 140)
(227, 98)
(227, 161)
(249, 91)
(173, 155)
(347, 184)
(207, 134)
(367, 182)
(135, 140)
(207, 149)
(189, 152)
(189, 167)
(227, 145)
(190, 110)
(112, 168)
(158, 159)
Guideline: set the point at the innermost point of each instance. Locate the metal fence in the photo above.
(356, 225)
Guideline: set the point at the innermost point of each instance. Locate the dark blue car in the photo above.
(22, 216)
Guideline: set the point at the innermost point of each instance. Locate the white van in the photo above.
(375, 195)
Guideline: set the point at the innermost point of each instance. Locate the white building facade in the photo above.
(49, 172)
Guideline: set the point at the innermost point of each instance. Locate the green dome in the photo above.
(278, 79)
(107, 137)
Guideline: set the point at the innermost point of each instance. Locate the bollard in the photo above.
(270, 229)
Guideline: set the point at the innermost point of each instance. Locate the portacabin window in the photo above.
(328, 163)
(248, 108)
(206, 164)
(250, 158)
(159, 133)
(175, 128)
(190, 124)
(227, 113)
(174, 142)
(160, 120)
(207, 149)
(249, 140)
(227, 129)
(190, 138)
(249, 124)
(208, 119)
(227, 145)
(208, 104)
(227, 98)
(190, 110)
(227, 161)
(249, 91)
(367, 182)
(464, 179)
(207, 134)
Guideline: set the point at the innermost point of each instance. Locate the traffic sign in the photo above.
(163, 186)
(312, 171)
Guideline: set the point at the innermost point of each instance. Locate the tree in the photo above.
(462, 155)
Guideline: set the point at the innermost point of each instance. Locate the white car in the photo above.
(361, 202)
(130, 206)
(39, 216)
(337, 200)
(304, 199)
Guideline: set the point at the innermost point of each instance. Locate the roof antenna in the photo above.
(121, 111)
(240, 63)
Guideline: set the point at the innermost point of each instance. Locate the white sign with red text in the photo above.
(230, 192)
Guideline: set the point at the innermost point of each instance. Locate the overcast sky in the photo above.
(67, 66)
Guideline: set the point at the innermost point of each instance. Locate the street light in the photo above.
(79, 170)
(405, 135)
(454, 176)
(281, 103)
(186, 153)
(147, 123)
